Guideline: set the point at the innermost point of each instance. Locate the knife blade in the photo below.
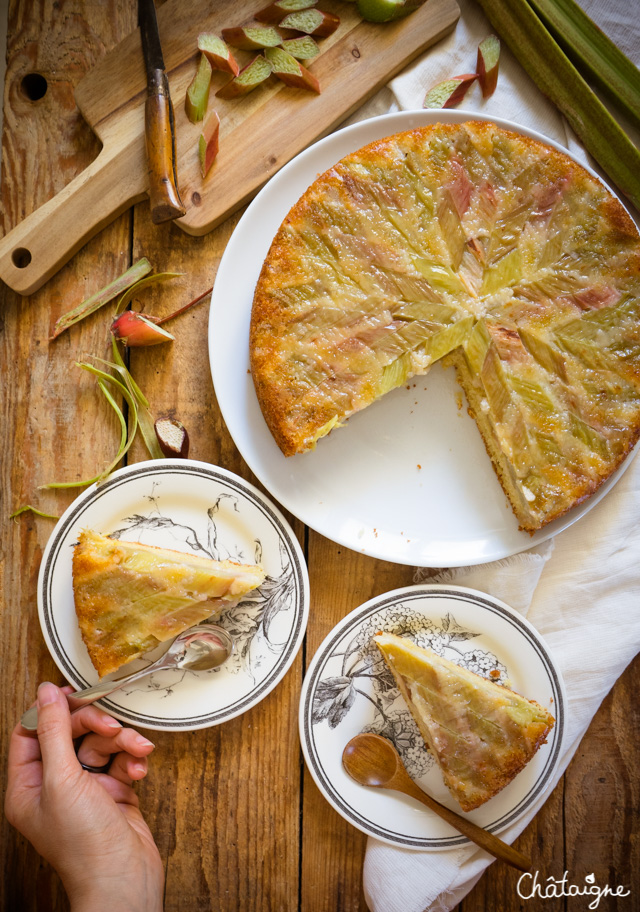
(160, 141)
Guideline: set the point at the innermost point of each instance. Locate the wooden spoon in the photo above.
(373, 760)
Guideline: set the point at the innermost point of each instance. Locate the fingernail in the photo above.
(139, 768)
(112, 723)
(144, 742)
(47, 693)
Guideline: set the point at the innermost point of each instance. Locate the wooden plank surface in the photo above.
(239, 822)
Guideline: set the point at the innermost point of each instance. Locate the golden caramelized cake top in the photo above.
(480, 733)
(129, 596)
(477, 243)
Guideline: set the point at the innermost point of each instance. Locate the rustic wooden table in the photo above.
(239, 822)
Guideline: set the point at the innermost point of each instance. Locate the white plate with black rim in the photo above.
(409, 479)
(348, 690)
(193, 507)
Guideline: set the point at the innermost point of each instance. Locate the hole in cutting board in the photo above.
(21, 257)
(34, 86)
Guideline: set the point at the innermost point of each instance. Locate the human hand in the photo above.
(87, 825)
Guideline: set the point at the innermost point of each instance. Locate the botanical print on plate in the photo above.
(348, 689)
(361, 659)
(250, 621)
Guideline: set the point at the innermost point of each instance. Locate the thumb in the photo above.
(54, 728)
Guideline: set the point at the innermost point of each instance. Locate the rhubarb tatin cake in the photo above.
(480, 733)
(129, 596)
(485, 248)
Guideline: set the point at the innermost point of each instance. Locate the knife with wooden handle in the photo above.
(159, 124)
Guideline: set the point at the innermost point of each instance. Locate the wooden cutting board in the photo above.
(258, 134)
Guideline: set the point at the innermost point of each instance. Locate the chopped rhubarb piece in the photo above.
(173, 437)
(208, 144)
(386, 10)
(251, 76)
(252, 39)
(312, 22)
(275, 12)
(197, 97)
(450, 92)
(292, 73)
(217, 53)
(303, 48)
(488, 62)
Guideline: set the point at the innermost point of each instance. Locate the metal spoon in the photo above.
(196, 649)
(373, 760)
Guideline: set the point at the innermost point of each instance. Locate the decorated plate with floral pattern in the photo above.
(348, 689)
(194, 507)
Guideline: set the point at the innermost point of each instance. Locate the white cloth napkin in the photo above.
(582, 593)
(582, 590)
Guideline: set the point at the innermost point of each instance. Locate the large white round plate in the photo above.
(194, 507)
(348, 690)
(409, 480)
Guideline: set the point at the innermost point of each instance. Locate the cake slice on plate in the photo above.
(480, 733)
(129, 597)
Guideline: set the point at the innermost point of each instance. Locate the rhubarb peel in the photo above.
(27, 508)
(144, 417)
(133, 290)
(127, 433)
(131, 277)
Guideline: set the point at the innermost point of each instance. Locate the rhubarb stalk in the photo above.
(556, 76)
(591, 50)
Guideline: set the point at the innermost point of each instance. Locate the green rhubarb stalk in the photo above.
(592, 51)
(555, 75)
(197, 97)
(106, 294)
